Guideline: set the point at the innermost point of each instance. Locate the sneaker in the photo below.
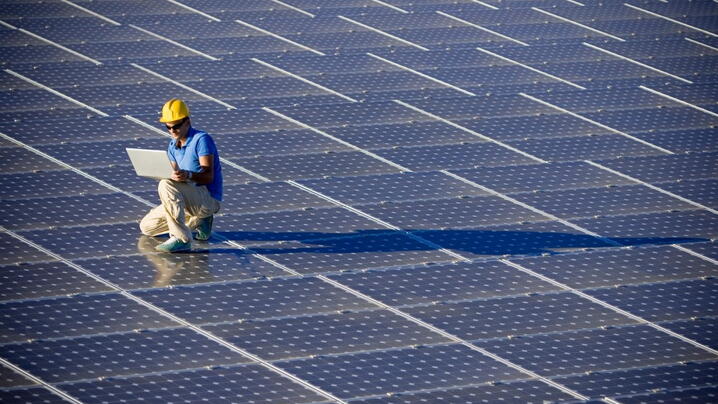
(174, 245)
(204, 229)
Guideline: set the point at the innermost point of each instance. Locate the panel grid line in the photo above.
(688, 104)
(578, 24)
(533, 69)
(277, 36)
(55, 92)
(477, 26)
(325, 279)
(669, 19)
(40, 382)
(713, 48)
(297, 9)
(302, 79)
(653, 187)
(552, 217)
(612, 307)
(88, 11)
(487, 352)
(173, 42)
(176, 319)
(420, 74)
(416, 235)
(467, 130)
(583, 118)
(393, 7)
(614, 54)
(181, 85)
(53, 43)
(386, 34)
(340, 141)
(194, 10)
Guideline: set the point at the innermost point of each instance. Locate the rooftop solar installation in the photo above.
(425, 201)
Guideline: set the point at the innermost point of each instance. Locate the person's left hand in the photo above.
(180, 175)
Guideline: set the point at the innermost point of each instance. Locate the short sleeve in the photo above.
(170, 155)
(205, 146)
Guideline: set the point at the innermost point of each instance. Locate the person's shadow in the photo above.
(473, 242)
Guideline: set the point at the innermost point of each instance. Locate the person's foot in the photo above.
(174, 245)
(204, 228)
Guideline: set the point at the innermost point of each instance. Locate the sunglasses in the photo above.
(177, 125)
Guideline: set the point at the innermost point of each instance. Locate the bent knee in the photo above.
(165, 184)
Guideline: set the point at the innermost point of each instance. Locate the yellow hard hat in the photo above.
(174, 110)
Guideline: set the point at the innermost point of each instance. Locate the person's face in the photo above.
(178, 129)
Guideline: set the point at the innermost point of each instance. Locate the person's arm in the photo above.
(203, 177)
(206, 171)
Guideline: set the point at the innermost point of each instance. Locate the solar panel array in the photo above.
(425, 201)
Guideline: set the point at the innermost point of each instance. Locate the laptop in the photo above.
(150, 163)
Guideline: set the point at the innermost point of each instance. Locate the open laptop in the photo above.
(150, 163)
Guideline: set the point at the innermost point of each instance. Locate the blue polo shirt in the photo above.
(198, 144)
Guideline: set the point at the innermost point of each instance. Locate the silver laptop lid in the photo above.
(150, 163)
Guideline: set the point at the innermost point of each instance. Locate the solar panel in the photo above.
(424, 201)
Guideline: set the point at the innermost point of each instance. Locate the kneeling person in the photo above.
(192, 196)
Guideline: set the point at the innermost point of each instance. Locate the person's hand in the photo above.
(180, 175)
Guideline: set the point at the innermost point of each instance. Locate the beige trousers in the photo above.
(183, 205)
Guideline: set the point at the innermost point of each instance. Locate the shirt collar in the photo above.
(190, 133)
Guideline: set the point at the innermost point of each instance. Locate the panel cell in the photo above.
(34, 185)
(352, 253)
(245, 383)
(677, 300)
(704, 192)
(304, 166)
(655, 228)
(469, 155)
(276, 143)
(706, 249)
(16, 251)
(326, 334)
(207, 263)
(701, 330)
(701, 395)
(595, 350)
(620, 266)
(253, 300)
(75, 316)
(385, 372)
(393, 187)
(457, 213)
(584, 148)
(44, 132)
(518, 316)
(667, 167)
(532, 127)
(32, 281)
(610, 201)
(100, 154)
(261, 228)
(30, 395)
(410, 133)
(643, 380)
(443, 282)
(520, 391)
(71, 211)
(542, 177)
(513, 239)
(19, 160)
(10, 378)
(119, 354)
(92, 241)
(628, 120)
